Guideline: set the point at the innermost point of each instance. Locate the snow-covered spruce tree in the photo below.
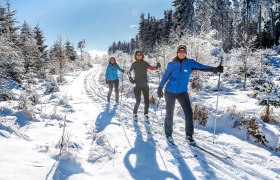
(10, 66)
(165, 27)
(81, 46)
(29, 49)
(43, 60)
(71, 54)
(148, 33)
(58, 59)
(7, 22)
(184, 14)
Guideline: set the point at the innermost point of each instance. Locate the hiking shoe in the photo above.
(190, 140)
(135, 117)
(170, 139)
(146, 116)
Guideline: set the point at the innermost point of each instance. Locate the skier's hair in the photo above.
(112, 58)
(137, 53)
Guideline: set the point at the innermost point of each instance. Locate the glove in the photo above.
(123, 71)
(158, 65)
(219, 69)
(159, 92)
(131, 80)
(107, 82)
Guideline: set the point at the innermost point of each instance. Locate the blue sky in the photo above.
(99, 22)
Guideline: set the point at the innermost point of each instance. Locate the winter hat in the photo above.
(181, 47)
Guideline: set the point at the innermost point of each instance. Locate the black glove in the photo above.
(131, 80)
(159, 92)
(122, 70)
(219, 69)
(107, 82)
(158, 65)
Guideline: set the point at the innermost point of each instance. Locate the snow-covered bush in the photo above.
(102, 149)
(26, 106)
(51, 87)
(253, 128)
(8, 126)
(66, 144)
(200, 113)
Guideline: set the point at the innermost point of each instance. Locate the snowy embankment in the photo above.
(103, 142)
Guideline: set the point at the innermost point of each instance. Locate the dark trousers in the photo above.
(137, 93)
(185, 103)
(114, 83)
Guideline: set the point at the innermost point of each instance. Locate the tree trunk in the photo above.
(245, 81)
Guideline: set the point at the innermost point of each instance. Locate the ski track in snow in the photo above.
(111, 146)
(244, 163)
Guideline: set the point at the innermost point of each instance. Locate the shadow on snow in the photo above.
(145, 166)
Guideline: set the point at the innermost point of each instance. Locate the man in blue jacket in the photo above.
(112, 78)
(178, 74)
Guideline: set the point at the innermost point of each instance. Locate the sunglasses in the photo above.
(182, 51)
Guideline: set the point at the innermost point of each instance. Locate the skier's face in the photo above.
(139, 56)
(182, 53)
(112, 60)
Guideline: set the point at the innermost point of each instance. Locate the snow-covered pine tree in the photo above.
(58, 59)
(184, 14)
(70, 51)
(42, 62)
(29, 49)
(81, 46)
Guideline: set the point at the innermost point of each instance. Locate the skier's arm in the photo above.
(120, 69)
(131, 68)
(166, 75)
(151, 67)
(201, 67)
(129, 74)
(107, 74)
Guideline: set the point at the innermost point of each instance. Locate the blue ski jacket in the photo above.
(178, 75)
(112, 72)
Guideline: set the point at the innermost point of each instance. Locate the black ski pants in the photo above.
(114, 83)
(185, 103)
(137, 93)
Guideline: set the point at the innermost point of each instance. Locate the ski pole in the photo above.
(217, 101)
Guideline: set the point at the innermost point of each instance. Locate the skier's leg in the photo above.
(170, 105)
(185, 103)
(116, 86)
(146, 99)
(110, 90)
(137, 93)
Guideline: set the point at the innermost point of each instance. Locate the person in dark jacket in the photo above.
(178, 74)
(112, 78)
(140, 68)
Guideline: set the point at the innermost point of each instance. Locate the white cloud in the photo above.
(133, 26)
(98, 53)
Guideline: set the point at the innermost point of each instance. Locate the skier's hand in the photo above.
(131, 80)
(159, 92)
(107, 82)
(122, 70)
(158, 65)
(219, 69)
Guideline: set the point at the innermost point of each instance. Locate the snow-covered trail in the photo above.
(110, 146)
(246, 158)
